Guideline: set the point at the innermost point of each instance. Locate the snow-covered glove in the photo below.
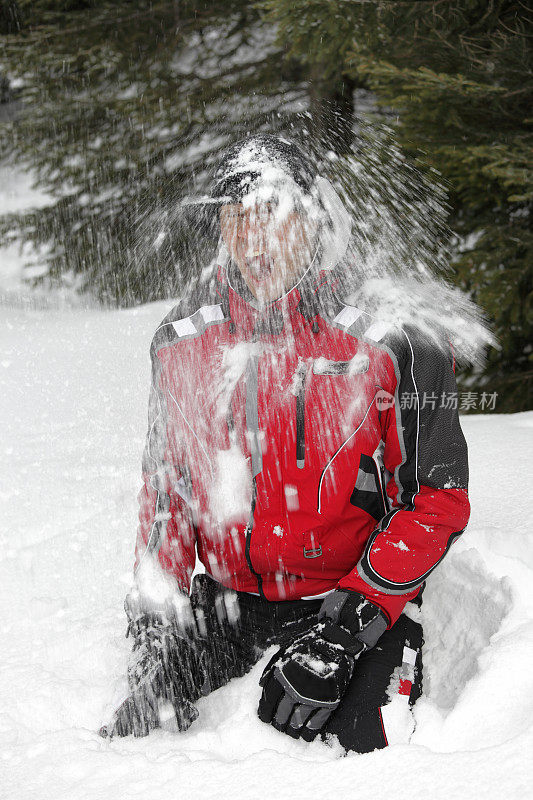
(164, 671)
(162, 676)
(306, 680)
(174, 612)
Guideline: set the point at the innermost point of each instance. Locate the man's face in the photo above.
(271, 249)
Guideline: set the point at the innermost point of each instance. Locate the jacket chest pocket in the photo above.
(329, 397)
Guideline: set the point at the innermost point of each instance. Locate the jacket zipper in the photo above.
(300, 414)
(252, 425)
(248, 540)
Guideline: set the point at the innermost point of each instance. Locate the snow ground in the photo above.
(74, 388)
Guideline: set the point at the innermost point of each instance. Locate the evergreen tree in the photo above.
(10, 17)
(126, 105)
(458, 77)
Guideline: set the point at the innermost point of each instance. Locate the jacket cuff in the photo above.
(392, 605)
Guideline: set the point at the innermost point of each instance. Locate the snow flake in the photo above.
(400, 545)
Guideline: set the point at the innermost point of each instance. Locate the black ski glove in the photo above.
(306, 680)
(164, 672)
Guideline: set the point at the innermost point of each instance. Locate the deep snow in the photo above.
(74, 387)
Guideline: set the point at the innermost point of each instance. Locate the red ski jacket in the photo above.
(300, 448)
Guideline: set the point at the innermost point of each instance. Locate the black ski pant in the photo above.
(229, 650)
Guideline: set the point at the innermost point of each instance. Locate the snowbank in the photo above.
(74, 387)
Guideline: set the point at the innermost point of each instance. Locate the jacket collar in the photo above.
(312, 297)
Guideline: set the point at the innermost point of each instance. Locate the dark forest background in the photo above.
(119, 106)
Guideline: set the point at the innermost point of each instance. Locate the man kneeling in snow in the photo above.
(281, 452)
